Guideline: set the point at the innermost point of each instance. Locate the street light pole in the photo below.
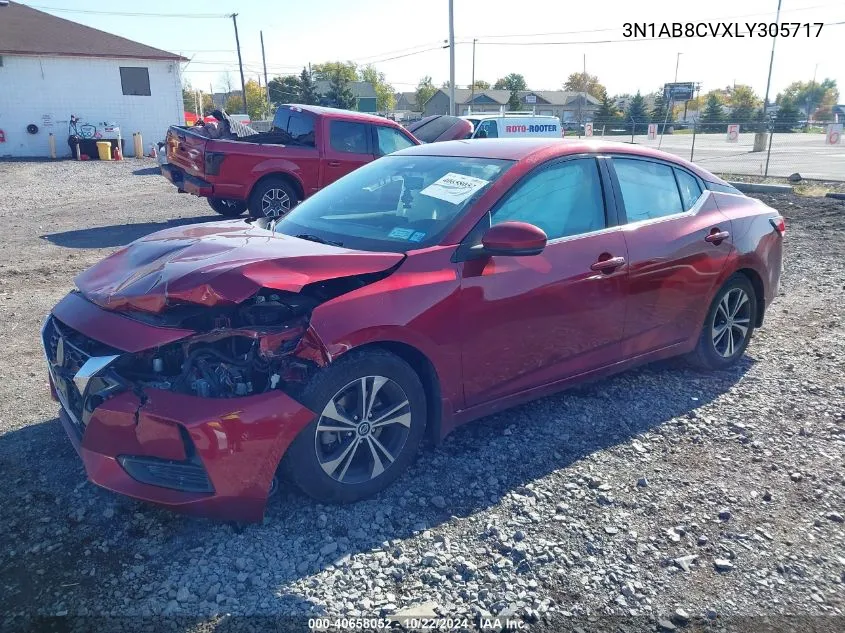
(771, 64)
(472, 87)
(452, 104)
(671, 103)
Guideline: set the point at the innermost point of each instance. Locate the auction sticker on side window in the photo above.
(454, 188)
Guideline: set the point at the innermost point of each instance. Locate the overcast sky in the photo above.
(297, 32)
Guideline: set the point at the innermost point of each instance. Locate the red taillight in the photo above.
(778, 224)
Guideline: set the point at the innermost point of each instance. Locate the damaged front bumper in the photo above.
(213, 457)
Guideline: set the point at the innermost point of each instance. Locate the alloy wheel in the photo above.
(731, 322)
(275, 203)
(362, 429)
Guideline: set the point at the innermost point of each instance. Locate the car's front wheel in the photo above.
(371, 416)
(225, 206)
(728, 326)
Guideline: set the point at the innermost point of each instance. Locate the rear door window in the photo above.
(649, 190)
(348, 137)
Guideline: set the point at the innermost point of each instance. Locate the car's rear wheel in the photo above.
(272, 198)
(371, 417)
(225, 206)
(728, 326)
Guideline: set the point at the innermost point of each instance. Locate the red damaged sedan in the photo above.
(428, 288)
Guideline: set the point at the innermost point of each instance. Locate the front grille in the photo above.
(67, 350)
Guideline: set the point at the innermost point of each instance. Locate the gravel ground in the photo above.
(660, 496)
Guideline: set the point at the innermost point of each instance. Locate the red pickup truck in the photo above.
(268, 173)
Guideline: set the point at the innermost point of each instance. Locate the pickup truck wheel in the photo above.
(272, 198)
(227, 207)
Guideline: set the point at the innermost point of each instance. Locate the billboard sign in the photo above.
(679, 91)
(652, 131)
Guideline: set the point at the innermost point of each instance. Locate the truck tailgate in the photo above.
(186, 150)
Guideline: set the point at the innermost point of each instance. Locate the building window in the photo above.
(135, 80)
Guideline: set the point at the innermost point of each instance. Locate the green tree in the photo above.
(385, 95)
(786, 120)
(812, 96)
(308, 91)
(480, 84)
(659, 110)
(513, 82)
(608, 113)
(327, 71)
(636, 112)
(339, 94)
(585, 82)
(207, 102)
(189, 98)
(256, 101)
(744, 103)
(425, 91)
(287, 89)
(234, 103)
(713, 115)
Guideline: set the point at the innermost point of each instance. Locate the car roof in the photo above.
(542, 149)
(337, 113)
(508, 115)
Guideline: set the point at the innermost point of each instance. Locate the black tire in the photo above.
(711, 352)
(227, 207)
(302, 463)
(283, 195)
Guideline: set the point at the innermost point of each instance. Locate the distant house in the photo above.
(407, 102)
(219, 99)
(363, 91)
(52, 68)
(565, 105)
(839, 112)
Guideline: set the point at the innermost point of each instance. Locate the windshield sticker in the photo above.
(401, 234)
(454, 188)
(417, 237)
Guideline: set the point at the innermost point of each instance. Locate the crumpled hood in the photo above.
(219, 263)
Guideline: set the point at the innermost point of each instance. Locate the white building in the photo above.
(51, 68)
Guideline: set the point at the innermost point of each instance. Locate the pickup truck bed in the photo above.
(308, 148)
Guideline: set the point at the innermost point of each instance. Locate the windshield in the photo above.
(395, 204)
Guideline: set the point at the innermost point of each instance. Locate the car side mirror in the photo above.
(514, 239)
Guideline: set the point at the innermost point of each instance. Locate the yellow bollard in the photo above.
(139, 151)
(52, 141)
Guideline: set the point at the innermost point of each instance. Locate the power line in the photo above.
(133, 14)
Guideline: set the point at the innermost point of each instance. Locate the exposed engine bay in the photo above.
(238, 351)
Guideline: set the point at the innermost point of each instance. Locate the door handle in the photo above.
(717, 236)
(607, 265)
(334, 163)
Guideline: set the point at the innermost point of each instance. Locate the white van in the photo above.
(514, 125)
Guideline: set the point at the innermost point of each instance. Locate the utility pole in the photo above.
(240, 62)
(452, 104)
(264, 62)
(809, 98)
(771, 63)
(583, 96)
(472, 87)
(670, 106)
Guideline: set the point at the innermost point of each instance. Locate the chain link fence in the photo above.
(749, 149)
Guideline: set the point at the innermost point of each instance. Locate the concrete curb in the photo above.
(753, 187)
(835, 196)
